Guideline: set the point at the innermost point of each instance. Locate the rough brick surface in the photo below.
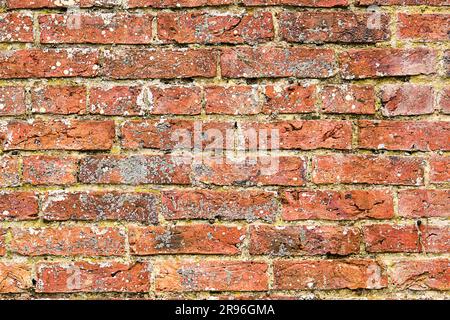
(12, 101)
(224, 149)
(329, 274)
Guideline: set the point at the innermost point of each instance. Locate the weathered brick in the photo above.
(386, 62)
(241, 148)
(100, 205)
(307, 134)
(104, 28)
(303, 240)
(15, 277)
(93, 277)
(48, 63)
(407, 99)
(339, 168)
(289, 99)
(337, 205)
(9, 171)
(188, 275)
(204, 27)
(424, 203)
(65, 134)
(250, 171)
(68, 241)
(406, 238)
(174, 134)
(12, 101)
(137, 100)
(444, 100)
(447, 63)
(137, 169)
(320, 27)
(176, 3)
(159, 63)
(16, 27)
(429, 274)
(329, 274)
(35, 4)
(404, 135)
(189, 239)
(227, 205)
(237, 100)
(439, 169)
(18, 205)
(59, 99)
(423, 27)
(48, 170)
(352, 99)
(245, 62)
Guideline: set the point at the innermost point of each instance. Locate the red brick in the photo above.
(385, 62)
(104, 28)
(429, 274)
(176, 3)
(189, 239)
(249, 171)
(159, 63)
(188, 275)
(405, 238)
(306, 135)
(424, 203)
(303, 240)
(439, 169)
(93, 277)
(237, 100)
(407, 99)
(337, 205)
(404, 135)
(48, 63)
(15, 277)
(226, 205)
(9, 171)
(445, 100)
(423, 27)
(59, 99)
(48, 170)
(204, 27)
(65, 134)
(16, 27)
(100, 205)
(245, 62)
(12, 101)
(352, 99)
(136, 169)
(35, 4)
(137, 100)
(173, 134)
(371, 169)
(329, 274)
(68, 241)
(18, 205)
(320, 27)
(305, 3)
(289, 99)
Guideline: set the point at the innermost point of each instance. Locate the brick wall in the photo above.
(224, 148)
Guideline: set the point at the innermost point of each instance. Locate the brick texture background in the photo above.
(93, 205)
